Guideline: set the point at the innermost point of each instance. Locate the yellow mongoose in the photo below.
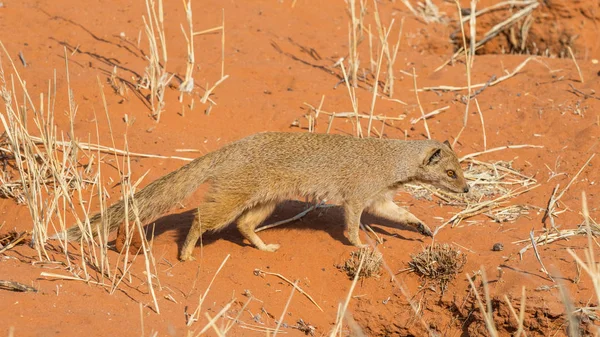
(251, 176)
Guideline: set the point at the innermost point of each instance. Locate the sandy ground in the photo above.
(278, 57)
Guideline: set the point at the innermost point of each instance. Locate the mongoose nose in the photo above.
(466, 189)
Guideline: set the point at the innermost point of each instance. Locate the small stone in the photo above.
(498, 247)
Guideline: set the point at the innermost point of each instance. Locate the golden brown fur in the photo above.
(251, 176)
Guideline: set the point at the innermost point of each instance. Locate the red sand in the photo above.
(272, 73)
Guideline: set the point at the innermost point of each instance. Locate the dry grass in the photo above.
(156, 78)
(59, 180)
(486, 310)
(11, 239)
(525, 12)
(372, 263)
(492, 185)
(439, 263)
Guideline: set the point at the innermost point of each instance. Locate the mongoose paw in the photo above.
(423, 229)
(187, 258)
(358, 244)
(271, 247)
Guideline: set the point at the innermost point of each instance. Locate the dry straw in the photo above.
(56, 186)
(372, 263)
(156, 78)
(440, 263)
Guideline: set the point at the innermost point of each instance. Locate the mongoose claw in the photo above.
(423, 229)
(273, 247)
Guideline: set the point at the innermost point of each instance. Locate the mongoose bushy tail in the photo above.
(153, 200)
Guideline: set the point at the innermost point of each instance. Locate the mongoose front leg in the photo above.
(253, 217)
(389, 210)
(352, 213)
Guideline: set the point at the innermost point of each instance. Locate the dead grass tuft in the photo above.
(11, 239)
(438, 262)
(371, 266)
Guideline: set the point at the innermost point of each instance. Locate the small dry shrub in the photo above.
(440, 263)
(371, 265)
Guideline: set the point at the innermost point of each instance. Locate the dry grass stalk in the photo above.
(344, 307)
(440, 263)
(510, 3)
(484, 206)
(156, 78)
(372, 263)
(494, 31)
(354, 115)
(548, 238)
(287, 304)
(188, 82)
(212, 320)
(353, 61)
(196, 314)
(573, 321)
(520, 318)
(500, 148)
(576, 65)
(509, 213)
(11, 239)
(383, 33)
(295, 217)
(105, 149)
(128, 191)
(538, 256)
(383, 39)
(591, 267)
(410, 7)
(16, 286)
(486, 84)
(190, 41)
(54, 180)
(468, 64)
(551, 212)
(482, 124)
(488, 314)
(353, 99)
(419, 104)
(428, 115)
(259, 272)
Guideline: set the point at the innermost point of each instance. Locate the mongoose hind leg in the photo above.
(352, 213)
(253, 217)
(215, 213)
(190, 241)
(387, 209)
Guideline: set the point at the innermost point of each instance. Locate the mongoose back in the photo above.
(249, 177)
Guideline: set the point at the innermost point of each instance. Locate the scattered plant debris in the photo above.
(305, 327)
(371, 266)
(16, 286)
(438, 262)
(11, 239)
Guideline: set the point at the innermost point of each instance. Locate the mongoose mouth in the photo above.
(464, 189)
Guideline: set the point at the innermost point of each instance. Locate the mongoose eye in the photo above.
(451, 174)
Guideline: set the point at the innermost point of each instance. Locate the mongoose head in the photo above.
(440, 167)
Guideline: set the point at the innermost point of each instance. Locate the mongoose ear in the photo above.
(447, 143)
(433, 157)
